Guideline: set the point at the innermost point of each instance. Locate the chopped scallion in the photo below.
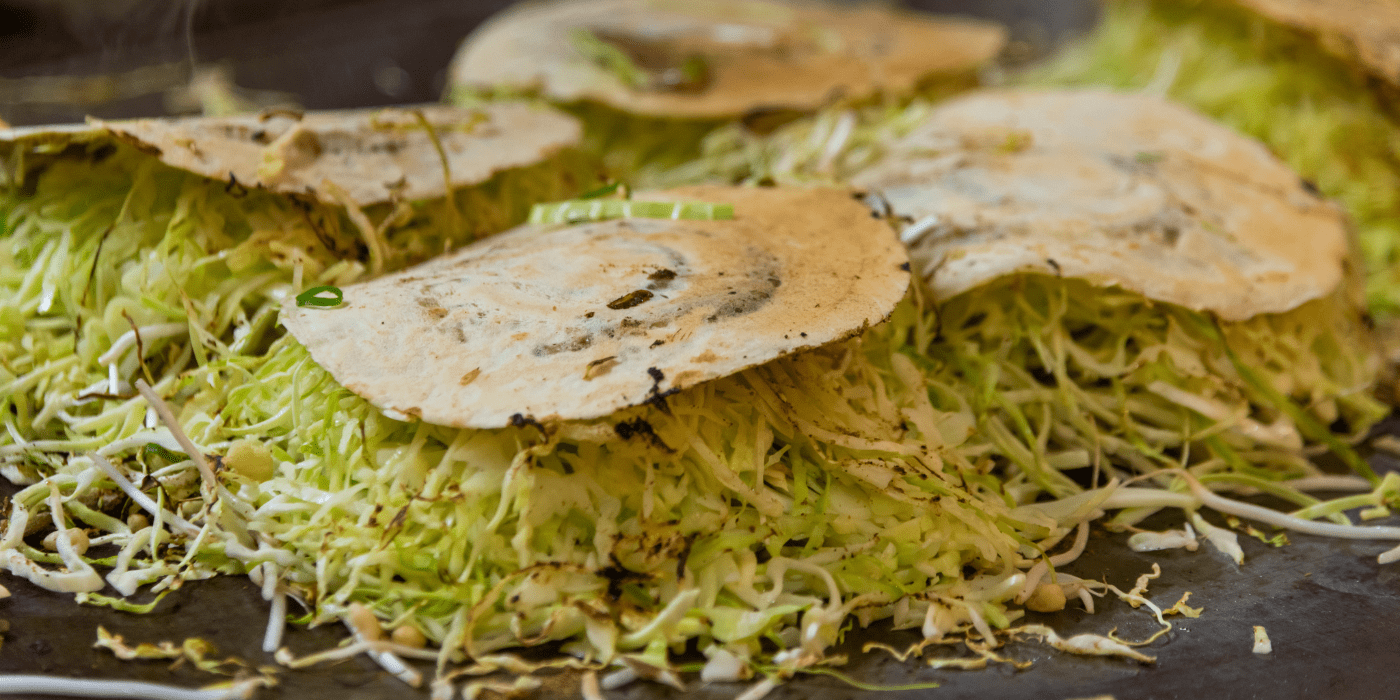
(312, 297)
(580, 210)
(603, 191)
(160, 451)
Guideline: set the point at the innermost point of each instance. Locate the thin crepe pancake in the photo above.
(577, 321)
(745, 56)
(368, 156)
(1364, 32)
(1119, 189)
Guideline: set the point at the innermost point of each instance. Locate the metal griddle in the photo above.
(1331, 612)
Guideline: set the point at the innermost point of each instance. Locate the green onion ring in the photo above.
(603, 191)
(160, 451)
(310, 297)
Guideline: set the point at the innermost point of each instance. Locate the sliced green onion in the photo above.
(603, 191)
(311, 297)
(579, 210)
(160, 451)
(695, 70)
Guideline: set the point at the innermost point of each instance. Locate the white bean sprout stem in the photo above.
(103, 688)
(1219, 503)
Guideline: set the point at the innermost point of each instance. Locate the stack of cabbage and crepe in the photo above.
(1120, 275)
(628, 533)
(927, 468)
(621, 533)
(611, 533)
(1229, 337)
(1284, 390)
(1312, 80)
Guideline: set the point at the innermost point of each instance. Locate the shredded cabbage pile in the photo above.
(800, 490)
(1104, 379)
(658, 152)
(822, 148)
(638, 148)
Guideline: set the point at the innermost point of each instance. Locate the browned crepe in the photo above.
(373, 155)
(367, 156)
(577, 321)
(1119, 189)
(1365, 32)
(760, 54)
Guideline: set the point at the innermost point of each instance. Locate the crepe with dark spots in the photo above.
(1365, 33)
(531, 315)
(358, 157)
(1123, 190)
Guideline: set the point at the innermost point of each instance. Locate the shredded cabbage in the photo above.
(1083, 372)
(767, 506)
(658, 152)
(821, 148)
